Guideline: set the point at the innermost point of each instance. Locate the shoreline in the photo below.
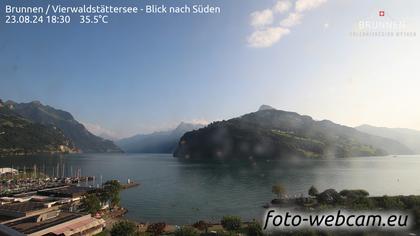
(308, 203)
(169, 227)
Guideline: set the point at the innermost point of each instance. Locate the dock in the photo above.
(130, 185)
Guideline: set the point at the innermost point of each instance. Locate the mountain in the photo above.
(274, 134)
(266, 107)
(85, 141)
(19, 136)
(408, 137)
(158, 142)
(106, 136)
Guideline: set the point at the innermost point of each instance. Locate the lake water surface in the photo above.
(181, 192)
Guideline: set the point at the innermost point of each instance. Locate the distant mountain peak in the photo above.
(408, 137)
(9, 104)
(367, 126)
(36, 102)
(157, 142)
(184, 126)
(266, 107)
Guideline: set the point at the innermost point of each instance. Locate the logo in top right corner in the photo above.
(377, 25)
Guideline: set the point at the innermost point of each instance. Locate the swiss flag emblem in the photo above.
(381, 13)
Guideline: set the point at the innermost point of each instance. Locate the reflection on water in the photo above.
(183, 192)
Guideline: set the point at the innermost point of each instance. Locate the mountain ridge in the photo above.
(46, 115)
(408, 137)
(156, 142)
(20, 136)
(274, 134)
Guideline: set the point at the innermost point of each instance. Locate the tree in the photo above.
(329, 196)
(112, 189)
(124, 228)
(186, 231)
(231, 223)
(254, 229)
(279, 190)
(313, 191)
(201, 225)
(91, 203)
(115, 200)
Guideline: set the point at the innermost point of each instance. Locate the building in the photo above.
(58, 223)
(8, 171)
(24, 209)
(40, 218)
(74, 193)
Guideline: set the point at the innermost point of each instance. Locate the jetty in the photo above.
(130, 184)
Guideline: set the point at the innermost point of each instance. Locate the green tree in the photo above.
(186, 231)
(112, 189)
(115, 200)
(254, 229)
(313, 191)
(124, 228)
(231, 223)
(279, 190)
(91, 203)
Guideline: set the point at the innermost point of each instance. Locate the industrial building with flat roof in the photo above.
(59, 223)
(22, 209)
(44, 215)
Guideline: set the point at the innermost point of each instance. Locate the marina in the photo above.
(34, 203)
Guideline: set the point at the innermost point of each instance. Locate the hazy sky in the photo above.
(149, 72)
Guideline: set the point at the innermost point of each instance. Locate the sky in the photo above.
(143, 73)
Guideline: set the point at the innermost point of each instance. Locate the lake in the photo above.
(180, 192)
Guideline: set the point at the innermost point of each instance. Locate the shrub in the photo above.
(416, 213)
(362, 203)
(357, 193)
(313, 191)
(329, 196)
(124, 228)
(156, 228)
(391, 203)
(186, 231)
(231, 223)
(411, 201)
(225, 233)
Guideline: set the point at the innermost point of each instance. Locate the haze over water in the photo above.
(181, 192)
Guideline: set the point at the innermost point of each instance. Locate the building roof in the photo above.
(23, 207)
(7, 231)
(76, 227)
(26, 227)
(68, 191)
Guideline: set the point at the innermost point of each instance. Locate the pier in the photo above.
(130, 185)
